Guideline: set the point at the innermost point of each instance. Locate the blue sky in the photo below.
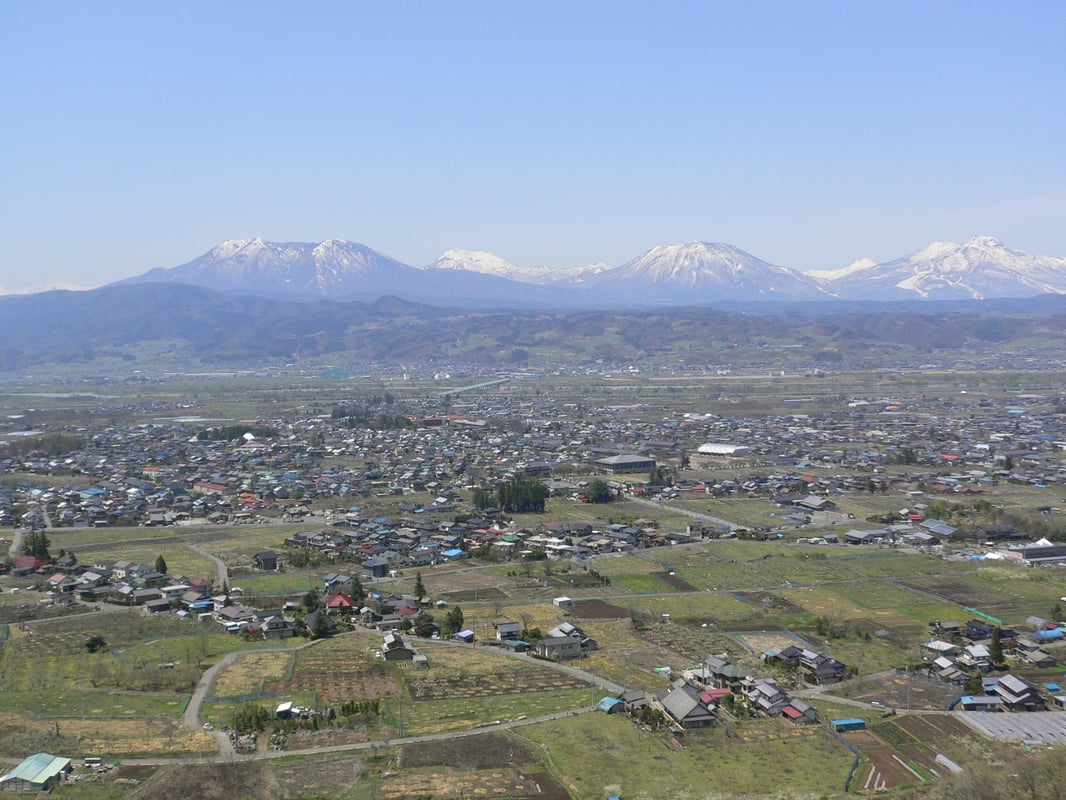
(809, 134)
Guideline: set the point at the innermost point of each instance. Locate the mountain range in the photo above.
(694, 273)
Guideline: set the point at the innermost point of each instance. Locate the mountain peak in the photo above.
(989, 242)
(707, 271)
(980, 268)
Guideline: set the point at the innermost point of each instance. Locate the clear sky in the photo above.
(140, 134)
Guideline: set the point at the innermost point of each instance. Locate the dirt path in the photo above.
(221, 570)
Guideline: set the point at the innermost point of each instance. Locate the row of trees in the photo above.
(522, 495)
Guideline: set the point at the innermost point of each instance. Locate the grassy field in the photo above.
(141, 680)
(594, 751)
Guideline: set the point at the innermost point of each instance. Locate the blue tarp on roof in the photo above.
(608, 704)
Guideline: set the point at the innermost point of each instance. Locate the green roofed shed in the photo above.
(36, 773)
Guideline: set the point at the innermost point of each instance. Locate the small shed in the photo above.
(610, 705)
(851, 724)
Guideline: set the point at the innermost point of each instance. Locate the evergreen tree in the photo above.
(482, 498)
(522, 494)
(37, 545)
(598, 491)
(420, 588)
(424, 626)
(319, 626)
(311, 601)
(453, 621)
(161, 565)
(357, 592)
(995, 649)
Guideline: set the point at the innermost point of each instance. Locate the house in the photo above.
(766, 696)
(558, 648)
(158, 606)
(817, 667)
(394, 648)
(720, 672)
(334, 581)
(569, 629)
(1018, 694)
(866, 537)
(507, 630)
(37, 773)
(276, 627)
(799, 712)
(935, 648)
(975, 657)
(376, 567)
(265, 560)
(340, 603)
(235, 615)
(684, 708)
(141, 596)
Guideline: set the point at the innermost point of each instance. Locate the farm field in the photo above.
(594, 752)
(140, 682)
(1007, 591)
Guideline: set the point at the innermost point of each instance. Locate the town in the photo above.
(859, 568)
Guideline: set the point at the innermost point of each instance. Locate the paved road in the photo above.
(716, 521)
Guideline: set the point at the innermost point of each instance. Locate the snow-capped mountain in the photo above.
(46, 287)
(491, 264)
(708, 271)
(683, 274)
(843, 272)
(485, 263)
(980, 268)
(334, 267)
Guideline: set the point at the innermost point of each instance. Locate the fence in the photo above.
(855, 764)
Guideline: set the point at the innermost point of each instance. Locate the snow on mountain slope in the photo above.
(982, 267)
(843, 272)
(485, 263)
(703, 271)
(492, 264)
(332, 267)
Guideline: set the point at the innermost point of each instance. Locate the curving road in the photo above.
(192, 717)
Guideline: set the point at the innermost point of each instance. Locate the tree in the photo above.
(453, 622)
(160, 564)
(95, 643)
(522, 494)
(320, 628)
(357, 592)
(598, 491)
(995, 648)
(420, 588)
(311, 601)
(37, 545)
(424, 626)
(482, 498)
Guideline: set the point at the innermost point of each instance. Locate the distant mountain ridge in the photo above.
(690, 273)
(158, 326)
(979, 268)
